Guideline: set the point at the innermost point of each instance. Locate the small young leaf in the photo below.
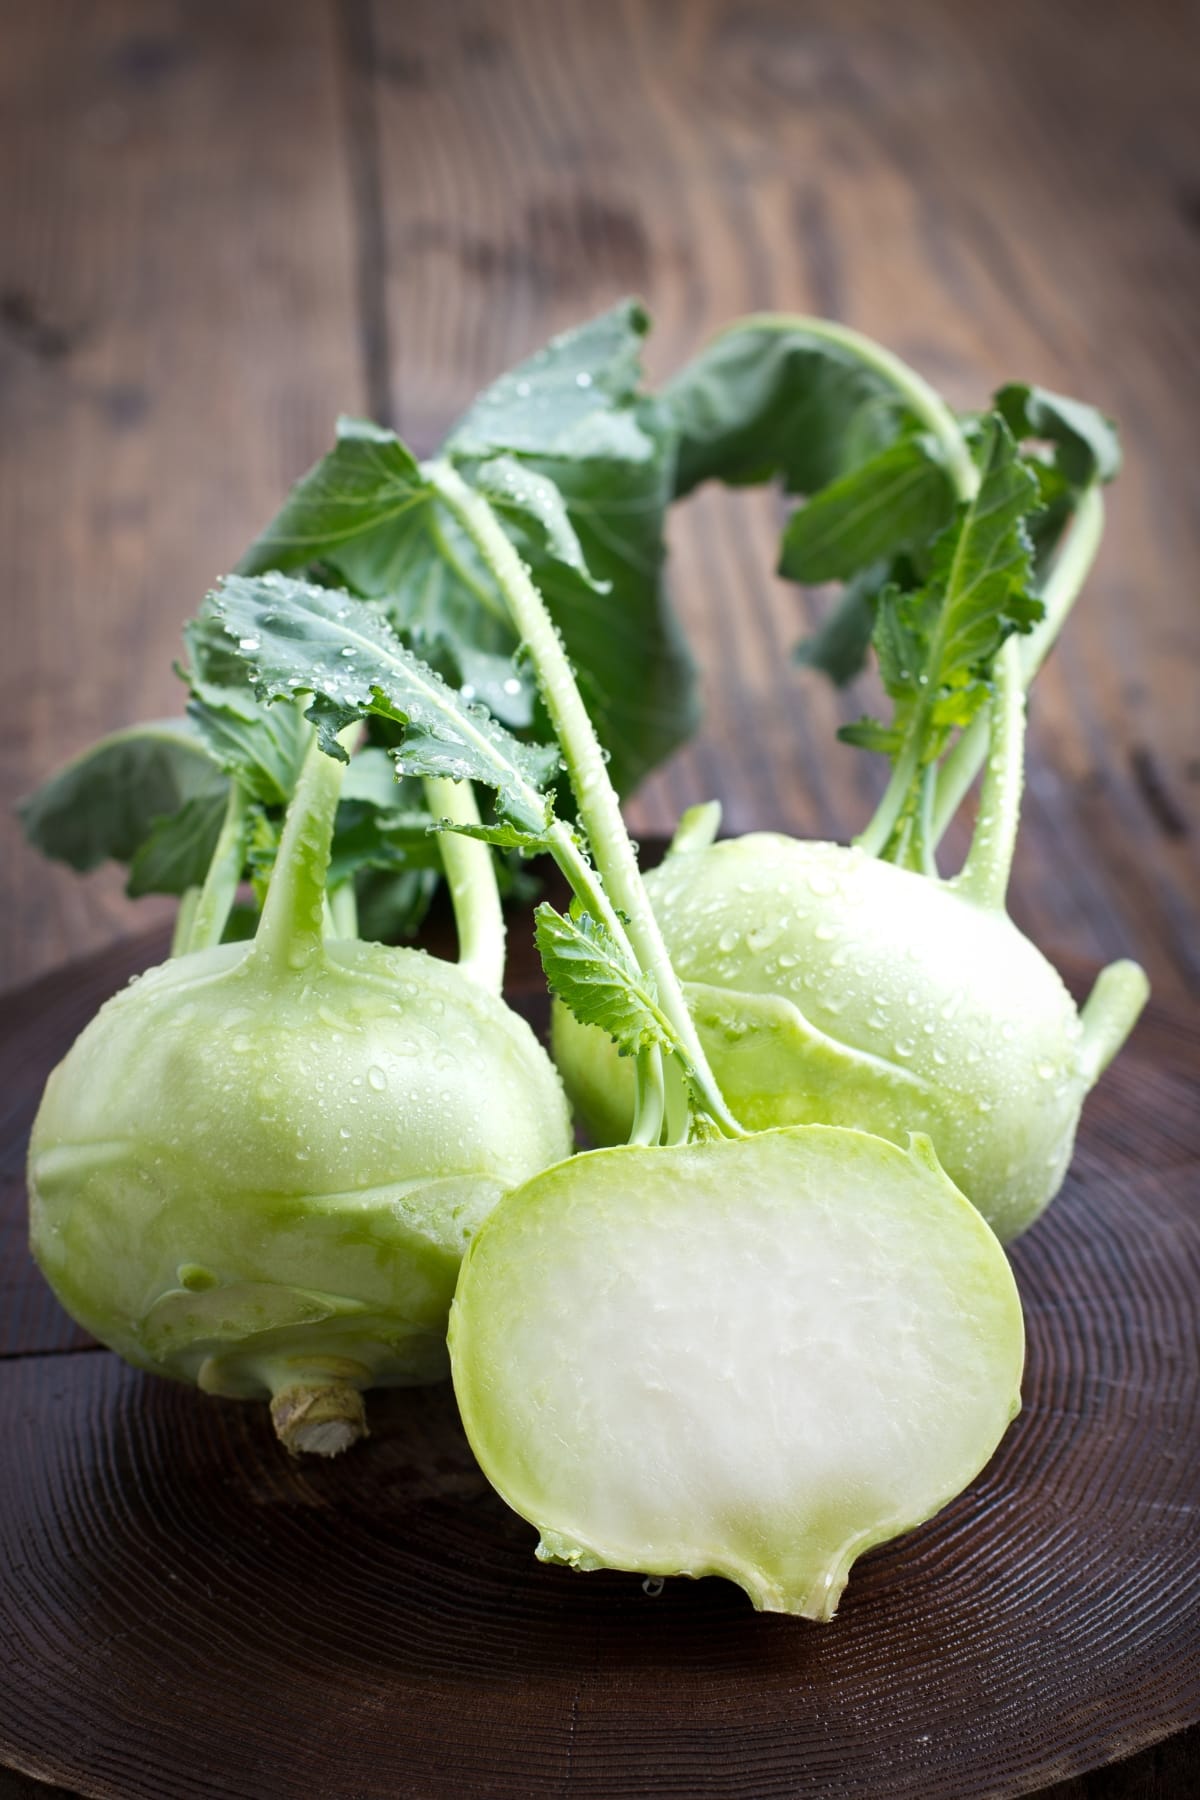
(504, 835)
(937, 644)
(298, 638)
(587, 970)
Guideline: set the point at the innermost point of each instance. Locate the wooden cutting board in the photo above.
(184, 1612)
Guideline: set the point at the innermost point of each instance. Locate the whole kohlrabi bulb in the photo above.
(830, 987)
(263, 1179)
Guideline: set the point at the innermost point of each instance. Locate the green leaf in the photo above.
(296, 638)
(502, 836)
(366, 838)
(838, 647)
(106, 802)
(896, 500)
(176, 853)
(262, 747)
(1087, 444)
(761, 401)
(348, 510)
(540, 406)
(534, 515)
(937, 645)
(593, 977)
(571, 416)
(392, 904)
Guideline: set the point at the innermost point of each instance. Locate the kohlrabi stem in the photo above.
(984, 875)
(1109, 1014)
(923, 401)
(960, 767)
(318, 1417)
(180, 937)
(595, 796)
(650, 1102)
(343, 909)
(697, 828)
(291, 929)
(875, 838)
(471, 875)
(224, 873)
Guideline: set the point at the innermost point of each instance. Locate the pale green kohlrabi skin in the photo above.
(750, 1358)
(251, 1176)
(831, 987)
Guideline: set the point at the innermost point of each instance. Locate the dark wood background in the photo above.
(224, 222)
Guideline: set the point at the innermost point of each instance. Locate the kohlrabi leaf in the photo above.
(839, 645)
(896, 500)
(366, 838)
(766, 399)
(179, 848)
(503, 835)
(544, 401)
(601, 986)
(299, 638)
(1086, 442)
(106, 802)
(936, 645)
(570, 416)
(348, 510)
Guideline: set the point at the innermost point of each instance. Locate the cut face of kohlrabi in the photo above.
(750, 1358)
(830, 987)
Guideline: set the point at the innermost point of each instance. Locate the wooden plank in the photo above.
(993, 194)
(187, 1612)
(178, 329)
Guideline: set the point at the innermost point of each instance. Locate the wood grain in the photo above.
(184, 1612)
(977, 187)
(229, 223)
(178, 330)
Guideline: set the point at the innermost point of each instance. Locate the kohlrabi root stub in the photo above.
(753, 1359)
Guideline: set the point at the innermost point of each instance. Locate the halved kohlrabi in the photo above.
(751, 1358)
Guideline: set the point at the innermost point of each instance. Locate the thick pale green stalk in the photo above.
(1066, 578)
(292, 926)
(471, 876)
(697, 828)
(343, 909)
(181, 936)
(921, 399)
(651, 1101)
(984, 876)
(217, 896)
(1110, 1013)
(595, 796)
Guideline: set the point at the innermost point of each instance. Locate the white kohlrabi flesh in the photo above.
(259, 1166)
(753, 1359)
(831, 987)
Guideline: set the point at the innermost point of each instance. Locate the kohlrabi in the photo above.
(853, 986)
(703, 1351)
(258, 1168)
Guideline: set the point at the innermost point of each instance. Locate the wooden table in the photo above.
(227, 222)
